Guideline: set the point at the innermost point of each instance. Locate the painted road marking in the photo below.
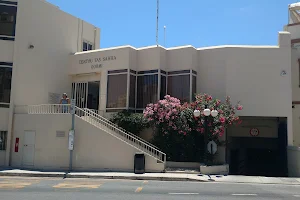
(296, 195)
(145, 182)
(183, 193)
(244, 194)
(70, 185)
(15, 184)
(139, 189)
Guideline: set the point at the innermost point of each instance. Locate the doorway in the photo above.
(86, 94)
(257, 147)
(259, 156)
(28, 148)
(255, 157)
(93, 95)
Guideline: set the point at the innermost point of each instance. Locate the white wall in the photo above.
(93, 149)
(182, 58)
(149, 58)
(293, 154)
(268, 127)
(6, 51)
(294, 30)
(211, 76)
(55, 35)
(121, 60)
(4, 118)
(251, 75)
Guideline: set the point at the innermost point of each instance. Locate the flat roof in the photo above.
(178, 47)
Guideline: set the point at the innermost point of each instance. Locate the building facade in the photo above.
(63, 55)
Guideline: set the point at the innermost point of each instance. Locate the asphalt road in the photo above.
(17, 188)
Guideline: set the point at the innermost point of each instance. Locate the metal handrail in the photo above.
(148, 149)
(113, 124)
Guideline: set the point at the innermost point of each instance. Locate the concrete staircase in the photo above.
(104, 124)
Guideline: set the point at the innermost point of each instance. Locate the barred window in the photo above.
(3, 138)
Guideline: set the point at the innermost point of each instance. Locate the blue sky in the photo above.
(195, 22)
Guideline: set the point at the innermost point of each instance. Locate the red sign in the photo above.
(254, 132)
(17, 145)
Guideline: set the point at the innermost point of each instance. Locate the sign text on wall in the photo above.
(97, 62)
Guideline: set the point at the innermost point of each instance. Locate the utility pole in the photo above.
(72, 134)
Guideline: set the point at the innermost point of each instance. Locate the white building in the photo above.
(45, 52)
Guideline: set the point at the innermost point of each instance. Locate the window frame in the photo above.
(3, 145)
(160, 73)
(88, 44)
(10, 13)
(147, 73)
(134, 74)
(115, 73)
(6, 104)
(192, 73)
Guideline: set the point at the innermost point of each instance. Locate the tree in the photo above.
(131, 122)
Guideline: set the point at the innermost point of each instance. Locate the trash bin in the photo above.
(139, 163)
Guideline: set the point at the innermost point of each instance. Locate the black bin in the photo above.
(139, 163)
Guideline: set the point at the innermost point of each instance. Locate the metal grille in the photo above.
(3, 137)
(80, 93)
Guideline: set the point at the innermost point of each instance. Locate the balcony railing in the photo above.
(49, 109)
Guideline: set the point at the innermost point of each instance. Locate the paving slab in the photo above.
(271, 180)
(237, 179)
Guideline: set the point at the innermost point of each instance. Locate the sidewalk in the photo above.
(155, 176)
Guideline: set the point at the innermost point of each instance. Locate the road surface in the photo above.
(15, 188)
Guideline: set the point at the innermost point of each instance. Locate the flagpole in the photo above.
(165, 36)
(157, 6)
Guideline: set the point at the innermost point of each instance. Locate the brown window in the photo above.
(163, 86)
(5, 85)
(194, 87)
(7, 20)
(3, 138)
(132, 91)
(179, 87)
(147, 86)
(116, 91)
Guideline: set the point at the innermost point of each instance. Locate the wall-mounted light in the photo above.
(283, 73)
(30, 46)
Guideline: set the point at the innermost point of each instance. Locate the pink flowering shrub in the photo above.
(226, 114)
(167, 114)
(171, 115)
(176, 128)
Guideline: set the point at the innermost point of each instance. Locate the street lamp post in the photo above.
(206, 112)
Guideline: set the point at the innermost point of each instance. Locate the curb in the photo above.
(33, 175)
(136, 178)
(66, 175)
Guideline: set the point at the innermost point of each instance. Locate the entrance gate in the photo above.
(86, 94)
(80, 93)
